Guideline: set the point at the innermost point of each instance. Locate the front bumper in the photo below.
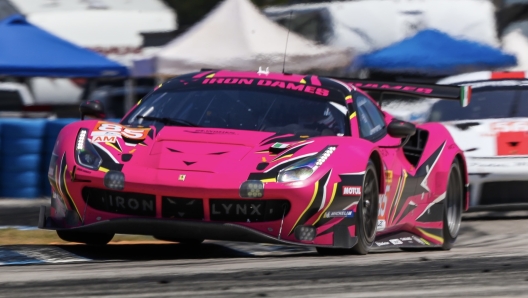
(184, 230)
(498, 191)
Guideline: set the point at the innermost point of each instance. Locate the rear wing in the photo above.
(460, 93)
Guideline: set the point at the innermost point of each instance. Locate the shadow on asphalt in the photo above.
(139, 252)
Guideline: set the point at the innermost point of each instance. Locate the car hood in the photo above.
(211, 150)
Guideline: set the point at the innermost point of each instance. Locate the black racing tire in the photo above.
(367, 212)
(453, 206)
(366, 216)
(86, 238)
(189, 242)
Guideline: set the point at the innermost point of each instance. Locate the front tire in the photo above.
(366, 216)
(86, 238)
(367, 212)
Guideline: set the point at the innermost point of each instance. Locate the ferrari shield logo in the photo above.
(182, 178)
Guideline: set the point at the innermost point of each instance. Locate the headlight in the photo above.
(304, 168)
(85, 153)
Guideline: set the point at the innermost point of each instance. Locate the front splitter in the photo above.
(181, 230)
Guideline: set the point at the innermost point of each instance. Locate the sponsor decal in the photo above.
(182, 177)
(391, 87)
(237, 208)
(395, 241)
(108, 132)
(406, 239)
(104, 138)
(342, 213)
(382, 243)
(352, 190)
(269, 83)
(509, 126)
(418, 240)
(382, 224)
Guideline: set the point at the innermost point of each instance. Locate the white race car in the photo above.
(493, 132)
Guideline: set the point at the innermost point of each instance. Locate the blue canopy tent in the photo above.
(431, 52)
(28, 51)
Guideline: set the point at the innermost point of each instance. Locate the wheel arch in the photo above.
(462, 163)
(378, 163)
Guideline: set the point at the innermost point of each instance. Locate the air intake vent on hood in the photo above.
(466, 125)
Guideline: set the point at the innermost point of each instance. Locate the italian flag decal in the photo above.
(465, 95)
(279, 146)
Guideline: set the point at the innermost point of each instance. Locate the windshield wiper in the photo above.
(169, 121)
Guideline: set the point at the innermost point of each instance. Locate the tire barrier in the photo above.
(51, 132)
(22, 146)
(25, 152)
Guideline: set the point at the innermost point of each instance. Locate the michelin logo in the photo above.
(342, 213)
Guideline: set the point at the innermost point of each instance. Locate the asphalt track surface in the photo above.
(489, 260)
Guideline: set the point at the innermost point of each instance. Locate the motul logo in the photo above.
(351, 190)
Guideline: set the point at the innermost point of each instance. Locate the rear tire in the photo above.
(366, 217)
(453, 206)
(86, 238)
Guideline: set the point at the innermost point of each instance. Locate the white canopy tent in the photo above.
(235, 35)
(515, 42)
(369, 25)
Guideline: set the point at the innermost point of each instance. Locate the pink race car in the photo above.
(261, 157)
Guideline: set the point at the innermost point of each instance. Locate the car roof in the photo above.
(311, 80)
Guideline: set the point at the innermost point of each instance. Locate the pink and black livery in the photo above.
(274, 158)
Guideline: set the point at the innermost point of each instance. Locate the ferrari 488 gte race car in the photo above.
(493, 132)
(261, 157)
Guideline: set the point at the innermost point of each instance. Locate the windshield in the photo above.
(485, 104)
(237, 107)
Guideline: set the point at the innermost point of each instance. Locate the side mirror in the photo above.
(93, 108)
(401, 129)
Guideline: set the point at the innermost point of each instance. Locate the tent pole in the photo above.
(130, 95)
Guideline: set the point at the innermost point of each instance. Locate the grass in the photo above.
(20, 237)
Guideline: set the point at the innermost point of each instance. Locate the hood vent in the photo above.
(466, 125)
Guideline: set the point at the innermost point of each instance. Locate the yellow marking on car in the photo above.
(68, 192)
(210, 76)
(303, 81)
(112, 145)
(432, 236)
(388, 176)
(399, 195)
(327, 206)
(304, 137)
(316, 187)
(352, 115)
(348, 97)
(139, 101)
(284, 156)
(103, 169)
(132, 151)
(398, 186)
(264, 159)
(269, 180)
